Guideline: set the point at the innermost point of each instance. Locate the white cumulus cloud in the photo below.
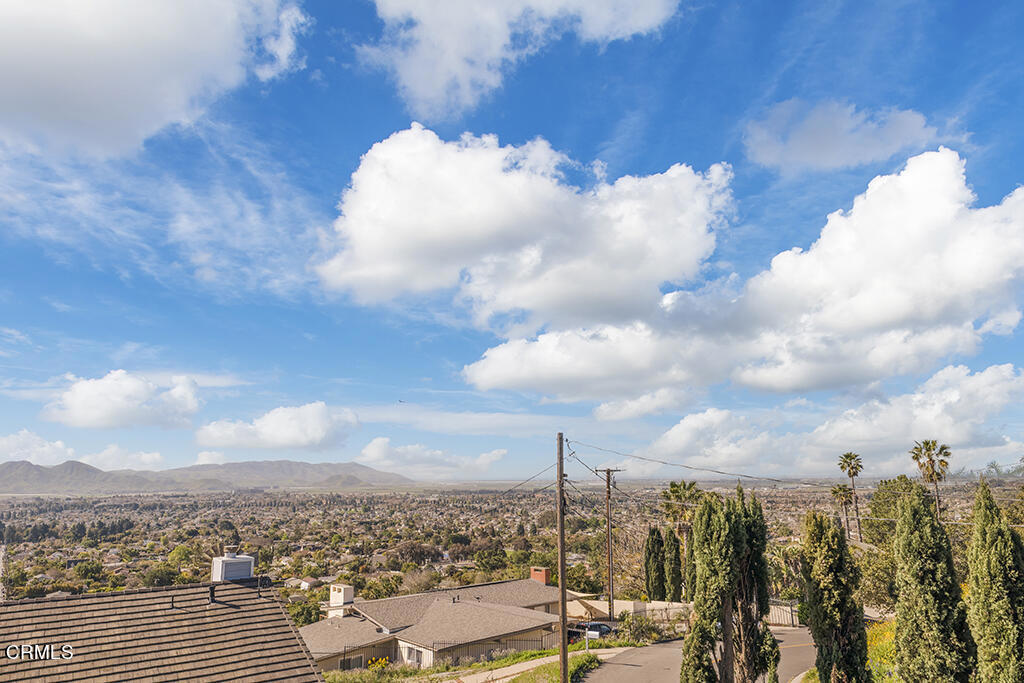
(313, 426)
(26, 445)
(209, 458)
(114, 457)
(794, 135)
(103, 76)
(446, 55)
(953, 406)
(419, 462)
(123, 399)
(501, 229)
(911, 274)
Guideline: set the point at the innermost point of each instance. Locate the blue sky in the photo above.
(429, 235)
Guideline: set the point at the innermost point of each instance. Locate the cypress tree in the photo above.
(836, 620)
(995, 597)
(730, 588)
(712, 544)
(673, 567)
(654, 565)
(757, 651)
(689, 568)
(933, 642)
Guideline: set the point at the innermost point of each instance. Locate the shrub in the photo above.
(638, 628)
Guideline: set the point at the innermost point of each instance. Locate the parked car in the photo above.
(597, 629)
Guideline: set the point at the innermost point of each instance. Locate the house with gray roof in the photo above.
(225, 631)
(468, 622)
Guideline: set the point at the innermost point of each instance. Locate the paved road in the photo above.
(651, 664)
(661, 663)
(797, 650)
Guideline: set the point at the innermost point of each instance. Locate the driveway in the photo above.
(661, 663)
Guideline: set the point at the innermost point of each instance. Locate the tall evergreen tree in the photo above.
(995, 596)
(883, 506)
(730, 589)
(689, 568)
(713, 547)
(836, 620)
(757, 651)
(654, 565)
(933, 642)
(673, 567)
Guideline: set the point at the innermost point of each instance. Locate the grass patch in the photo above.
(391, 673)
(547, 673)
(402, 673)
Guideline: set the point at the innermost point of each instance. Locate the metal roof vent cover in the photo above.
(232, 567)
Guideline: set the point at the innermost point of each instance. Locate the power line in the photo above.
(583, 496)
(526, 481)
(678, 464)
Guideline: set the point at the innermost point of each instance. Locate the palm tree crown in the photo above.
(843, 494)
(680, 501)
(933, 461)
(850, 464)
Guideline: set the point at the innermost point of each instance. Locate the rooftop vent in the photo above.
(232, 567)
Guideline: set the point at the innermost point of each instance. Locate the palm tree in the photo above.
(851, 465)
(933, 461)
(679, 503)
(844, 496)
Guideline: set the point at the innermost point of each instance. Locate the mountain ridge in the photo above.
(76, 477)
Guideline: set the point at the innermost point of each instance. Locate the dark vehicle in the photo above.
(597, 629)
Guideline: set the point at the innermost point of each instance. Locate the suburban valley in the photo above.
(511, 341)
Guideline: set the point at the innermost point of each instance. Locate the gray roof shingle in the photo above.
(334, 635)
(406, 610)
(446, 623)
(171, 633)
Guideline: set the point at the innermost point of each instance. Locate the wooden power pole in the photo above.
(608, 526)
(563, 637)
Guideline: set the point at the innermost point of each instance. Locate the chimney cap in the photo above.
(229, 550)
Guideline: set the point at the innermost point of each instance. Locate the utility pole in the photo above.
(608, 525)
(563, 639)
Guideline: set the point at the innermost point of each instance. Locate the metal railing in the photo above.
(460, 654)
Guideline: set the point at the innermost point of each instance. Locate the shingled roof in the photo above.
(406, 610)
(337, 634)
(172, 633)
(465, 622)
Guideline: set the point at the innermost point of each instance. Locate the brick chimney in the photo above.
(541, 574)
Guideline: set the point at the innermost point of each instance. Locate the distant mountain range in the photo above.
(73, 477)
